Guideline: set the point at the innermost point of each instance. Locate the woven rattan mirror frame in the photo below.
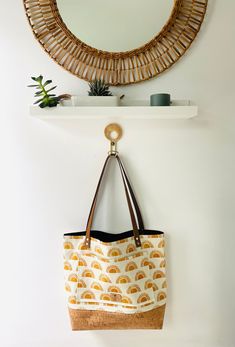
(116, 68)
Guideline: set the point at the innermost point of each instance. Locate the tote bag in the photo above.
(115, 281)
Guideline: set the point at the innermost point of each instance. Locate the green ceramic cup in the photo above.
(160, 100)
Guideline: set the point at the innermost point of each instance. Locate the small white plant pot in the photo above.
(98, 101)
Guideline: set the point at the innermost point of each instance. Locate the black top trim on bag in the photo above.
(108, 237)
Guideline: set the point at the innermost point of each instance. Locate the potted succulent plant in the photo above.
(98, 95)
(45, 98)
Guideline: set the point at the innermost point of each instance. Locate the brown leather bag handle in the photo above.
(133, 198)
(93, 206)
(137, 209)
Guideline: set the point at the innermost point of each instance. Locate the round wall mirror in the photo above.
(120, 42)
(115, 26)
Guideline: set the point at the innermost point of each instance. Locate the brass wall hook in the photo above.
(113, 132)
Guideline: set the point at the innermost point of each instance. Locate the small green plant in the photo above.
(99, 88)
(46, 99)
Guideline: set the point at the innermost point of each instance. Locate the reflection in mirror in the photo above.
(115, 26)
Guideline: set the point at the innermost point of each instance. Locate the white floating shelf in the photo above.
(178, 110)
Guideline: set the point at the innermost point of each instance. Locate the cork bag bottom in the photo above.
(102, 320)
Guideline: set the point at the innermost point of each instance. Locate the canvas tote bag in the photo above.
(115, 281)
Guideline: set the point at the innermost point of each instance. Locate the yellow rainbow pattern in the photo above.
(115, 276)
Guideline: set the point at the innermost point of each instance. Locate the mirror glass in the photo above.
(115, 26)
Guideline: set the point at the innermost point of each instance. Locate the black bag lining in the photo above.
(107, 237)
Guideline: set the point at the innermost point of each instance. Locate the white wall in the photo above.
(183, 172)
